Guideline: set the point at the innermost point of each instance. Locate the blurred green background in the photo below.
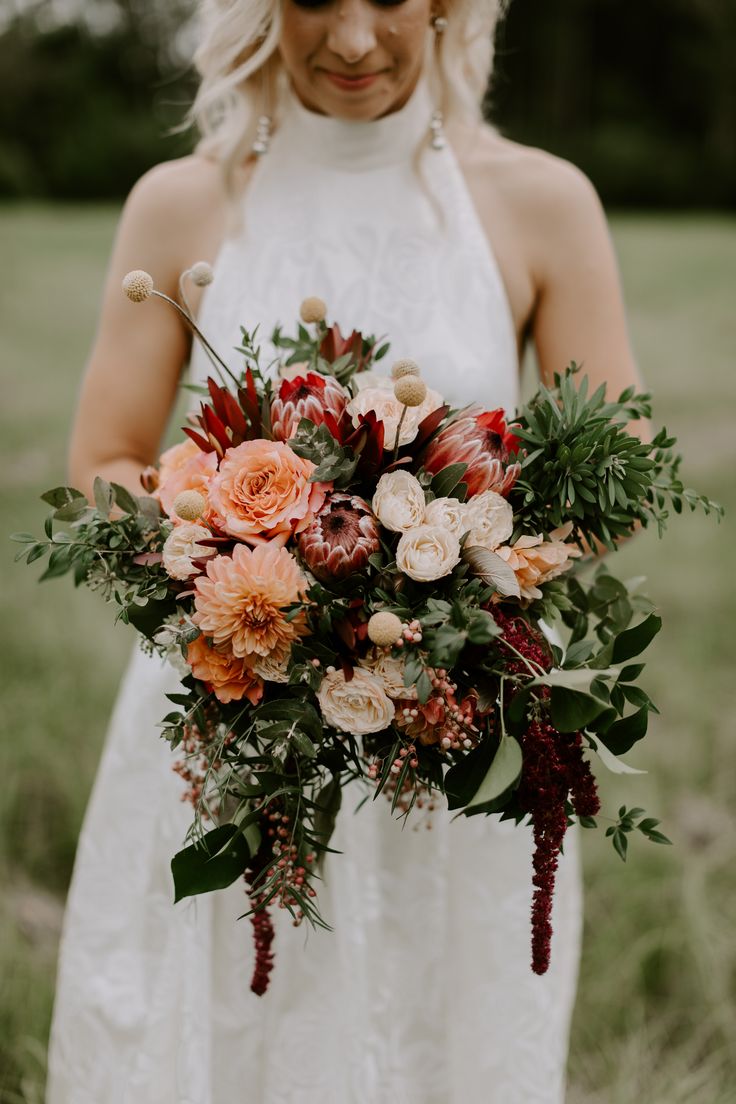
(643, 98)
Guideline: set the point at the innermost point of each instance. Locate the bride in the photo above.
(342, 155)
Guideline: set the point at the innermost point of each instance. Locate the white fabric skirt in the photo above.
(422, 994)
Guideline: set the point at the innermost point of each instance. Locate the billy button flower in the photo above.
(481, 440)
(313, 309)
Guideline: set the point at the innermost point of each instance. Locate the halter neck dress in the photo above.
(423, 992)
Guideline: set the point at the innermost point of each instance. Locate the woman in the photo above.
(343, 156)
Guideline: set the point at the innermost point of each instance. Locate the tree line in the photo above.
(642, 97)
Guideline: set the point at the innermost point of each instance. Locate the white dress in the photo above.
(423, 992)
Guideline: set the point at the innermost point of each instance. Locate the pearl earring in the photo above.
(263, 135)
(437, 122)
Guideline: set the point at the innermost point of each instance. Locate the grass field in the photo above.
(657, 1008)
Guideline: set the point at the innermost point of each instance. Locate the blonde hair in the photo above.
(243, 77)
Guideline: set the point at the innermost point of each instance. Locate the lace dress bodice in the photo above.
(341, 210)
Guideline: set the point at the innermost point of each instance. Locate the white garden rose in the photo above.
(390, 670)
(181, 547)
(428, 552)
(398, 502)
(368, 378)
(272, 670)
(387, 407)
(489, 519)
(450, 513)
(359, 706)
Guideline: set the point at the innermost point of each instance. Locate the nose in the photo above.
(352, 32)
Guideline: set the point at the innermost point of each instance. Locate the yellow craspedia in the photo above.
(405, 367)
(313, 309)
(410, 390)
(384, 629)
(189, 505)
(138, 285)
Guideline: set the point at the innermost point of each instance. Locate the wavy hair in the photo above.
(242, 75)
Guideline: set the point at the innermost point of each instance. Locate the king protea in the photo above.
(483, 442)
(311, 395)
(340, 538)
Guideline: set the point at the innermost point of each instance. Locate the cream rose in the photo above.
(182, 546)
(428, 552)
(398, 502)
(273, 669)
(489, 519)
(359, 706)
(449, 513)
(390, 670)
(388, 408)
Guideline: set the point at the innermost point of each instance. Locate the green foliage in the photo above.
(582, 466)
(117, 554)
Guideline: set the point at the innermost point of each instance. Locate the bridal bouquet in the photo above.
(355, 581)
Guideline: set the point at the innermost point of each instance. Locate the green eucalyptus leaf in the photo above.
(492, 570)
(62, 496)
(214, 862)
(71, 511)
(621, 736)
(611, 761)
(500, 777)
(447, 479)
(124, 499)
(632, 642)
(576, 678)
(572, 710)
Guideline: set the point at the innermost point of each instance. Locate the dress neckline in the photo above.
(353, 145)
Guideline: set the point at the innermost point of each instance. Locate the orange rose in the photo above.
(192, 474)
(535, 560)
(229, 678)
(262, 491)
(175, 458)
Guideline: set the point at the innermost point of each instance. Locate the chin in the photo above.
(359, 104)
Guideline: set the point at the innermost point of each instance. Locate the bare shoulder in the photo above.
(531, 182)
(192, 181)
(176, 214)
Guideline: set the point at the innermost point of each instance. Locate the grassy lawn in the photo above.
(656, 1010)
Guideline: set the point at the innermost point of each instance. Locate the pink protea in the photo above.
(340, 538)
(308, 395)
(481, 440)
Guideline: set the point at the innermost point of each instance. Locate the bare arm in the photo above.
(173, 217)
(579, 310)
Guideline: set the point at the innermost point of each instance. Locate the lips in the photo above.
(352, 82)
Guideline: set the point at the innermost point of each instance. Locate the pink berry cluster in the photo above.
(409, 783)
(200, 755)
(443, 719)
(286, 868)
(411, 633)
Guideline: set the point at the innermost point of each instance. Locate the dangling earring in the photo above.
(264, 123)
(264, 127)
(437, 122)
